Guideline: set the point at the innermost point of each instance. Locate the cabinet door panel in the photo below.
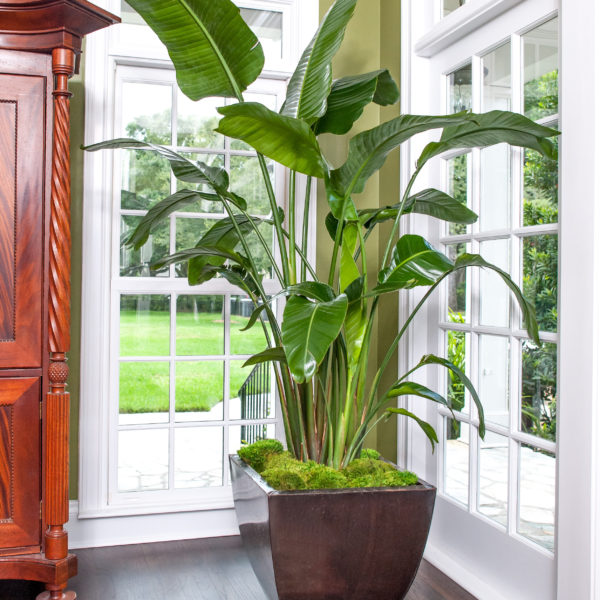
(20, 524)
(22, 102)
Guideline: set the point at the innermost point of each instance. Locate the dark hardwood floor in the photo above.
(210, 569)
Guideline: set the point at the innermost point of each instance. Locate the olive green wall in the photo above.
(372, 42)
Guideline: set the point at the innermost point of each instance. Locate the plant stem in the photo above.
(305, 225)
(292, 227)
(338, 240)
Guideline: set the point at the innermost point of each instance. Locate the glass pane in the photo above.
(459, 186)
(143, 393)
(459, 89)
(145, 325)
(200, 327)
(137, 263)
(493, 477)
(495, 203)
(146, 116)
(458, 348)
(245, 342)
(456, 471)
(457, 287)
(494, 300)
(198, 457)
(494, 354)
(196, 122)
(143, 460)
(250, 391)
(538, 390)
(247, 181)
(496, 80)
(540, 188)
(199, 390)
(187, 235)
(540, 70)
(452, 5)
(537, 483)
(268, 27)
(128, 15)
(203, 206)
(540, 277)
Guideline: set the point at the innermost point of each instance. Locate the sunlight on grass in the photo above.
(144, 387)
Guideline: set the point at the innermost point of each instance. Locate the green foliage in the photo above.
(456, 388)
(257, 454)
(369, 453)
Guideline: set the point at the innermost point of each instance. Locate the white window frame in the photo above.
(104, 52)
(576, 573)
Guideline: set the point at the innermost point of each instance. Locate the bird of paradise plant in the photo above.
(320, 349)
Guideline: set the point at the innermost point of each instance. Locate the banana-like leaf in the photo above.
(314, 290)
(308, 329)
(216, 254)
(214, 52)
(495, 127)
(431, 359)
(182, 168)
(428, 430)
(350, 95)
(235, 274)
(410, 388)
(161, 210)
(269, 355)
(311, 82)
(529, 318)
(348, 269)
(414, 262)
(288, 141)
(355, 324)
(338, 203)
(369, 149)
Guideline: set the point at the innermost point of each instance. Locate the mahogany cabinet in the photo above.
(40, 44)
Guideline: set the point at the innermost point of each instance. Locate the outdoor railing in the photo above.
(255, 400)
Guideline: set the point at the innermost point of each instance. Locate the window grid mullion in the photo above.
(226, 384)
(172, 388)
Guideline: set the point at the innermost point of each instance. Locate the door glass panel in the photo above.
(138, 263)
(198, 457)
(268, 28)
(537, 488)
(145, 325)
(459, 89)
(250, 341)
(540, 70)
(196, 122)
(538, 390)
(459, 186)
(143, 460)
(458, 348)
(247, 181)
(250, 392)
(188, 232)
(457, 287)
(143, 393)
(540, 187)
(199, 390)
(202, 206)
(497, 79)
(495, 202)
(493, 477)
(456, 458)
(494, 300)
(493, 389)
(200, 329)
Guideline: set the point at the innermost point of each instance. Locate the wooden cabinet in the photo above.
(40, 42)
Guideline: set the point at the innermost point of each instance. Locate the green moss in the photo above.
(284, 479)
(369, 453)
(321, 477)
(256, 454)
(361, 467)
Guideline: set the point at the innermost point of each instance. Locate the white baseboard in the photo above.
(142, 529)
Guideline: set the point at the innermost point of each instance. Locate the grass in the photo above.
(144, 386)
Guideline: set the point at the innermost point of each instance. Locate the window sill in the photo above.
(459, 24)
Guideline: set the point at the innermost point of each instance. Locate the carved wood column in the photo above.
(59, 307)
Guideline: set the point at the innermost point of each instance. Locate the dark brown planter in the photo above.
(351, 544)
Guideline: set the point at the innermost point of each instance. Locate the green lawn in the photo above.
(144, 386)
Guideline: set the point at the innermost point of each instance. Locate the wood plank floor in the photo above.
(210, 569)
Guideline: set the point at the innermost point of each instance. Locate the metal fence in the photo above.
(255, 399)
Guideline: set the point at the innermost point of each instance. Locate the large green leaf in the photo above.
(348, 269)
(428, 430)
(311, 82)
(286, 140)
(269, 355)
(350, 95)
(214, 52)
(161, 210)
(237, 275)
(217, 254)
(308, 329)
(529, 318)
(431, 359)
(369, 149)
(491, 128)
(355, 324)
(314, 290)
(410, 388)
(183, 169)
(414, 262)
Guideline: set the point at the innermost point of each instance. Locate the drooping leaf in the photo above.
(311, 82)
(431, 359)
(211, 253)
(413, 262)
(269, 355)
(235, 274)
(424, 425)
(529, 318)
(492, 128)
(214, 52)
(338, 204)
(350, 95)
(288, 141)
(314, 290)
(308, 329)
(409, 388)
(369, 149)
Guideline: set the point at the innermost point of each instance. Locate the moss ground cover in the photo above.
(283, 472)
